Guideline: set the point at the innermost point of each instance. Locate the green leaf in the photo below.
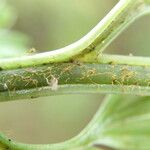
(13, 44)
(7, 15)
(126, 123)
(122, 123)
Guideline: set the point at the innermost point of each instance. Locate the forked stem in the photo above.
(125, 12)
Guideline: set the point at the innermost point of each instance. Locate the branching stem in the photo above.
(103, 33)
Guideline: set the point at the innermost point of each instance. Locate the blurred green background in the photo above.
(51, 24)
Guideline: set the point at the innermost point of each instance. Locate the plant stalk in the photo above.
(125, 12)
(71, 78)
(115, 59)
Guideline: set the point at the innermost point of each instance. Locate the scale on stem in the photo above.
(53, 83)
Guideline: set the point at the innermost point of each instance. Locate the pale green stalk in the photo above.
(116, 59)
(125, 12)
(73, 78)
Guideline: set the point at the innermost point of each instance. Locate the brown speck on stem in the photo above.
(9, 140)
(31, 51)
(112, 63)
(104, 147)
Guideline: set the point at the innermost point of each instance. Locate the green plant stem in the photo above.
(74, 78)
(115, 59)
(125, 12)
(120, 120)
(75, 89)
(85, 140)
